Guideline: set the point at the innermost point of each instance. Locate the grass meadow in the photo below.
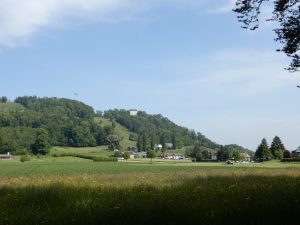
(69, 190)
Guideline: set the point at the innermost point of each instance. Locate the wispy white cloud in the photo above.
(223, 7)
(21, 19)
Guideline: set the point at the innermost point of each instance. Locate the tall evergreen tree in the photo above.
(139, 143)
(144, 142)
(277, 148)
(3, 99)
(163, 141)
(0, 142)
(152, 143)
(286, 154)
(263, 153)
(174, 141)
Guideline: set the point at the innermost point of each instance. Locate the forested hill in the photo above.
(67, 122)
(72, 123)
(154, 129)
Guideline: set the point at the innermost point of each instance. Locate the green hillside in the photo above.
(64, 122)
(70, 123)
(119, 130)
(10, 107)
(156, 129)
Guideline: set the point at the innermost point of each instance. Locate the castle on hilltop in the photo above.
(133, 112)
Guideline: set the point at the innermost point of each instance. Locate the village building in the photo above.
(158, 147)
(169, 146)
(214, 155)
(7, 156)
(140, 155)
(296, 153)
(245, 157)
(173, 156)
(132, 149)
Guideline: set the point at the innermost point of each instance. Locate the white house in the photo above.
(158, 147)
(133, 112)
(169, 145)
(6, 156)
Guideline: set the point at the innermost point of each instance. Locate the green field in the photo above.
(70, 166)
(71, 190)
(87, 151)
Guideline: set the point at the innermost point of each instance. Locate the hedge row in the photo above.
(290, 160)
(94, 158)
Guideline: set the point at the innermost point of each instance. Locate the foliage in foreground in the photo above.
(199, 200)
(286, 14)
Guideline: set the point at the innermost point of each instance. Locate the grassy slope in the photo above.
(89, 151)
(10, 107)
(119, 130)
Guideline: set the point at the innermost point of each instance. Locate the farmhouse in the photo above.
(140, 155)
(132, 149)
(169, 145)
(245, 157)
(5, 156)
(214, 155)
(173, 156)
(158, 147)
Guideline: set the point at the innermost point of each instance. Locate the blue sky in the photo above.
(186, 59)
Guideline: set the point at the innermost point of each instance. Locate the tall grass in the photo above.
(142, 199)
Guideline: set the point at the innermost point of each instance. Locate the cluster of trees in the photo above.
(22, 140)
(156, 129)
(66, 122)
(276, 150)
(224, 153)
(199, 153)
(3, 99)
(232, 152)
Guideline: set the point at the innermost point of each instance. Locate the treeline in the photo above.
(156, 129)
(67, 122)
(223, 153)
(275, 151)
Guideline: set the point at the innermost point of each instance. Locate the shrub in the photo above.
(290, 160)
(103, 159)
(94, 158)
(21, 152)
(24, 158)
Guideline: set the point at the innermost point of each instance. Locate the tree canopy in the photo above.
(286, 13)
(41, 145)
(156, 129)
(263, 153)
(66, 122)
(277, 148)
